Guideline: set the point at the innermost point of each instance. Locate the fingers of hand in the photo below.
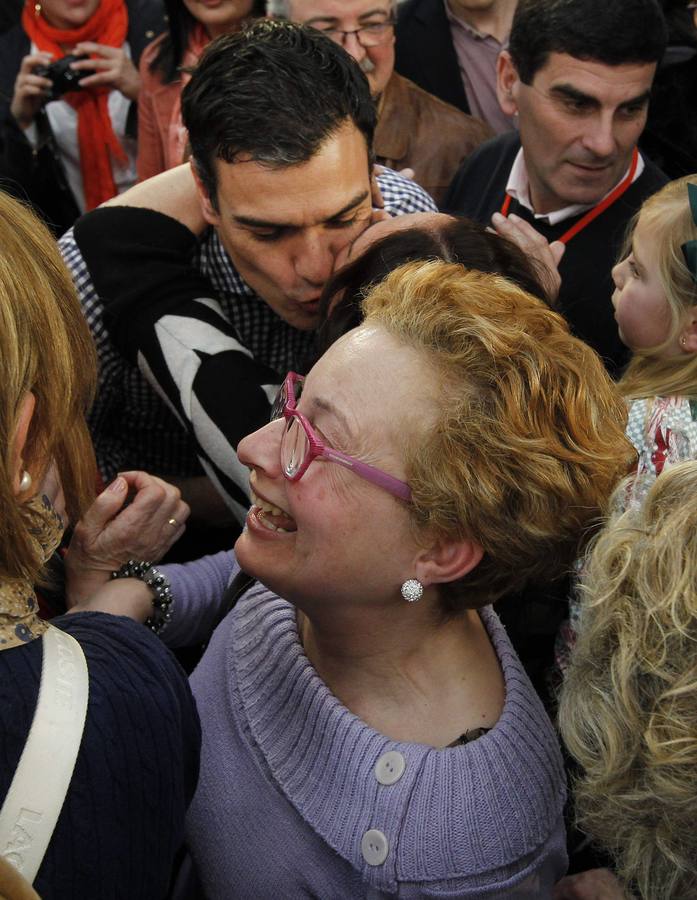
(94, 65)
(557, 249)
(379, 215)
(155, 500)
(101, 49)
(34, 82)
(103, 78)
(106, 506)
(29, 63)
(518, 230)
(375, 192)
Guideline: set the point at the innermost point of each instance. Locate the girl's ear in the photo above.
(688, 336)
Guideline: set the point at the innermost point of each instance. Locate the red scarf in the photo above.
(96, 138)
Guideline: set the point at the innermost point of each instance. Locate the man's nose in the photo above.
(314, 260)
(599, 136)
(353, 46)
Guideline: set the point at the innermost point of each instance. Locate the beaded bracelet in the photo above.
(158, 584)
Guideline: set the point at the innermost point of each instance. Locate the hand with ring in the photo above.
(113, 531)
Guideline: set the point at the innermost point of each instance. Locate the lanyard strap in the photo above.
(592, 214)
(41, 780)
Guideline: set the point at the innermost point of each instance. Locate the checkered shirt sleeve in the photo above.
(402, 195)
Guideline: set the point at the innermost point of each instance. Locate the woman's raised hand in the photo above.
(111, 532)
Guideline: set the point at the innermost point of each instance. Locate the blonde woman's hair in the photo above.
(45, 348)
(529, 440)
(668, 217)
(628, 709)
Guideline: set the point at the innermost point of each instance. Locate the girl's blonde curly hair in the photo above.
(628, 710)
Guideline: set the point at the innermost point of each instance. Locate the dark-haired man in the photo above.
(280, 123)
(578, 76)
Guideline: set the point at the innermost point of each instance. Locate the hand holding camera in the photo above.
(42, 79)
(111, 68)
(30, 89)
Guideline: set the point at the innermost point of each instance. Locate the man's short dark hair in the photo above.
(614, 32)
(273, 93)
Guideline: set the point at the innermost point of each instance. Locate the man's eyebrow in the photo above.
(321, 20)
(639, 100)
(374, 12)
(332, 20)
(569, 92)
(253, 222)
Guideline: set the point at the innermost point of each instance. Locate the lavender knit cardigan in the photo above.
(288, 789)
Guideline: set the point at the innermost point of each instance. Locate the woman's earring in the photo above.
(412, 590)
(24, 482)
(683, 341)
(37, 10)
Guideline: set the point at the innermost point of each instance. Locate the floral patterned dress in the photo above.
(664, 432)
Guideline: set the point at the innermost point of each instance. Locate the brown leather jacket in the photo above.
(418, 131)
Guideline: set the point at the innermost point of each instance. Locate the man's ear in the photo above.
(507, 83)
(688, 336)
(207, 208)
(447, 561)
(26, 411)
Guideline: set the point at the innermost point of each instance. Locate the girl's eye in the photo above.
(633, 269)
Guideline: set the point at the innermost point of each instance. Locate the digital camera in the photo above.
(63, 78)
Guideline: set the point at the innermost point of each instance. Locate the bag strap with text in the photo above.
(33, 803)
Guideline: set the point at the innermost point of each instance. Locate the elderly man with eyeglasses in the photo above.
(415, 130)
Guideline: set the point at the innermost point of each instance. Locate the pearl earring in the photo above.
(683, 341)
(24, 482)
(412, 590)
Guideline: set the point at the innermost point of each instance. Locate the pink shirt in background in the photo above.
(476, 55)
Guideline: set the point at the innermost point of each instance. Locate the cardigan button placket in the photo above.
(390, 767)
(374, 847)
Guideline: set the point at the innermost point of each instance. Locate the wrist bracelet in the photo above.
(158, 584)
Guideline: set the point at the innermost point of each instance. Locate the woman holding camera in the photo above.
(68, 148)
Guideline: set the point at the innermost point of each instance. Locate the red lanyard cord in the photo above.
(613, 196)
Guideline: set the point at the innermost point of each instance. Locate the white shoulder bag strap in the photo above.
(35, 798)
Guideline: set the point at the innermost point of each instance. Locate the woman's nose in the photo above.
(261, 449)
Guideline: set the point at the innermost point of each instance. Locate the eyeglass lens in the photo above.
(368, 36)
(294, 447)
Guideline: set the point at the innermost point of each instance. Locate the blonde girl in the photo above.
(655, 302)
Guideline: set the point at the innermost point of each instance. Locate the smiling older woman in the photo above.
(368, 729)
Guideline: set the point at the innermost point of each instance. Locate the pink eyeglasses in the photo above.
(300, 445)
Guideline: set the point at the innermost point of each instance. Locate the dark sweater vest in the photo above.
(123, 818)
(478, 191)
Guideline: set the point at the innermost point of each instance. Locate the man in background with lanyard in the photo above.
(577, 76)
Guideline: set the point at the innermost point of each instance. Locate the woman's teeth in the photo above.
(271, 510)
(267, 507)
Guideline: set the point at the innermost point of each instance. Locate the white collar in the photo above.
(518, 187)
